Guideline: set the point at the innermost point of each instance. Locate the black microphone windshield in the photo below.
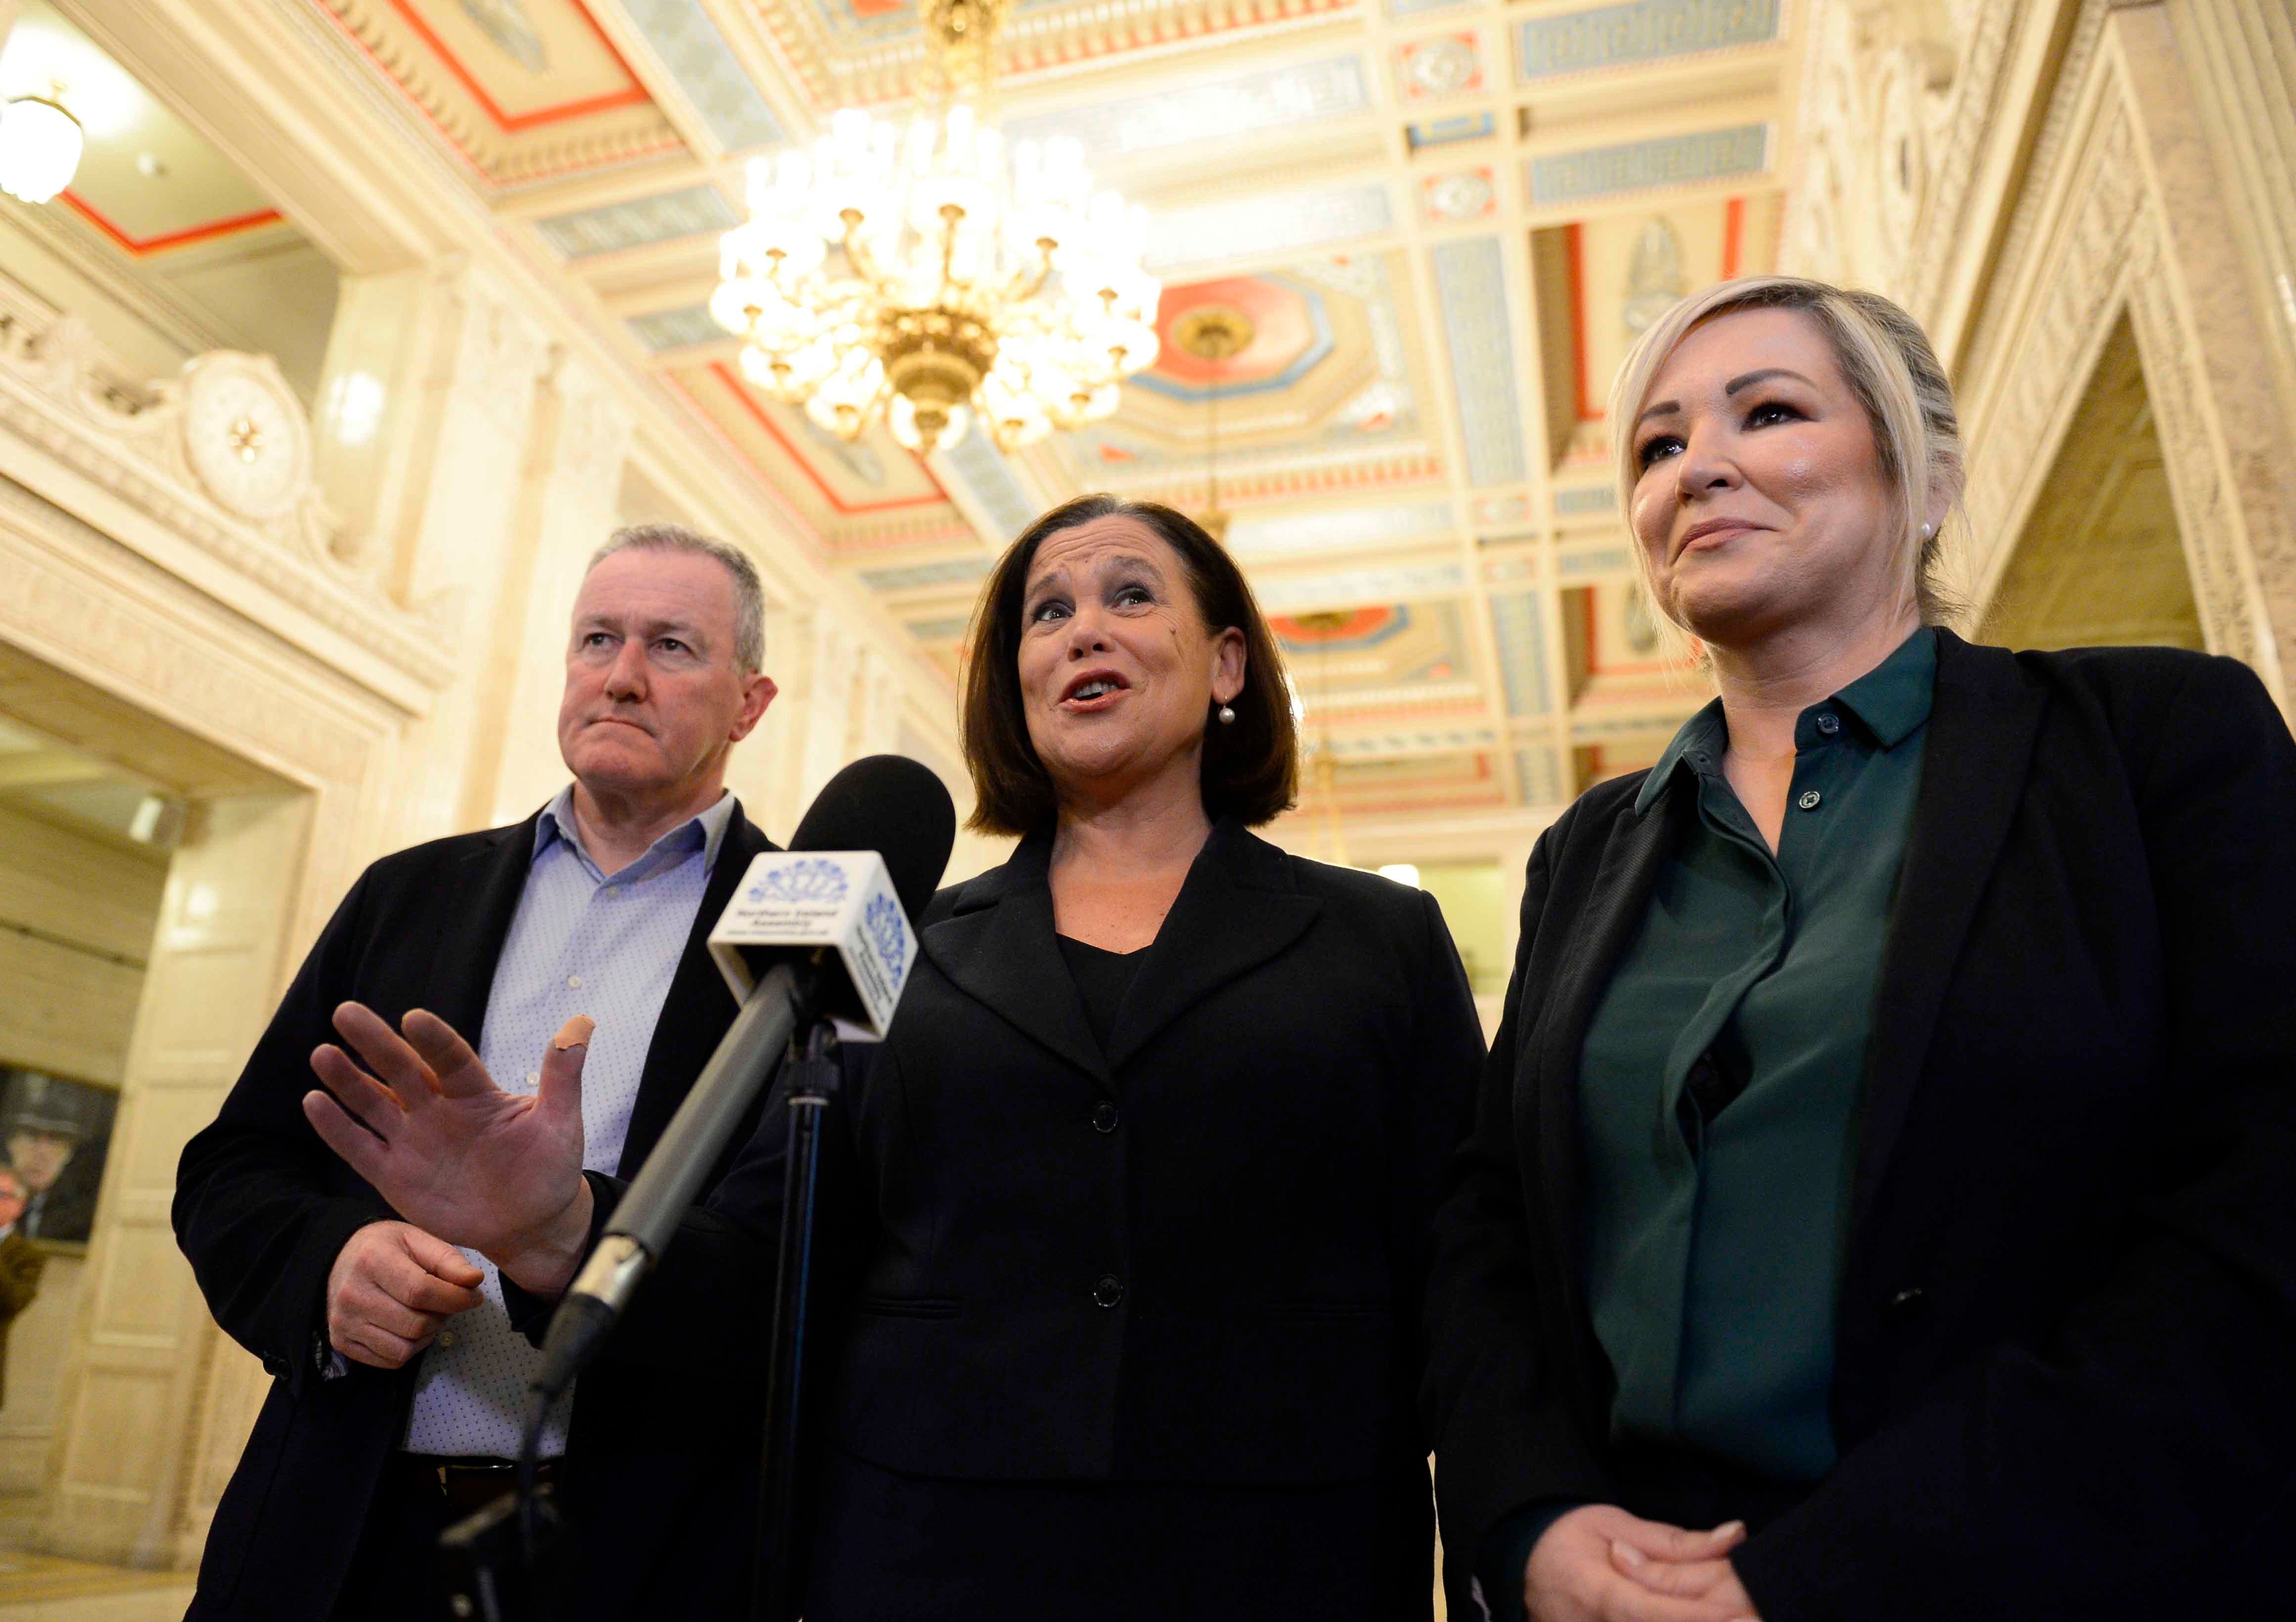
(894, 806)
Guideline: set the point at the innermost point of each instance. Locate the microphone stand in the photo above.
(813, 1080)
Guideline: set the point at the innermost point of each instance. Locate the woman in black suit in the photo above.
(1126, 1228)
(1883, 1197)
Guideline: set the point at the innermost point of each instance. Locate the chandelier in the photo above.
(927, 272)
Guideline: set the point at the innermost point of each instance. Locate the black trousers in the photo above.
(396, 1574)
(892, 1547)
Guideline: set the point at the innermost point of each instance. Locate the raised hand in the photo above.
(454, 1154)
(1600, 1564)
(391, 1287)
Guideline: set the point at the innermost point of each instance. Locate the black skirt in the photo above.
(890, 1547)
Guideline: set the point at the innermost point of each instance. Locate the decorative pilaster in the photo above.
(427, 409)
(876, 727)
(806, 735)
(573, 478)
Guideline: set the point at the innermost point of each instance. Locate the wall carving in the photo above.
(2214, 528)
(2051, 341)
(1892, 115)
(220, 456)
(132, 642)
(2095, 239)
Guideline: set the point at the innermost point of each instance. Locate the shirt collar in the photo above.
(1697, 747)
(1891, 700)
(707, 829)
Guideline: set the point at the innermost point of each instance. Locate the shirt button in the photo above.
(533, 1078)
(1829, 724)
(1809, 799)
(446, 1337)
(575, 981)
(612, 891)
(1109, 1291)
(1104, 1117)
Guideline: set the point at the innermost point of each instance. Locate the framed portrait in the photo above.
(55, 1134)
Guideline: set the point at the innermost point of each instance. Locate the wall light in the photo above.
(40, 144)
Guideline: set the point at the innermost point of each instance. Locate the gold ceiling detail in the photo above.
(964, 277)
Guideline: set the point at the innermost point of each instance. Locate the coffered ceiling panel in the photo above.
(520, 89)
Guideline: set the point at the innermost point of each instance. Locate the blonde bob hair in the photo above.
(1886, 360)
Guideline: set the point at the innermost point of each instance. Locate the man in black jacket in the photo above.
(398, 1385)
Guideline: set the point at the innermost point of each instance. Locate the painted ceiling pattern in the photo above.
(1445, 219)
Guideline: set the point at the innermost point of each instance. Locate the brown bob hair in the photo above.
(1250, 766)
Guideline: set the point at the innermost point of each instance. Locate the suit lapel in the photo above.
(697, 1007)
(484, 901)
(1236, 910)
(1974, 766)
(1632, 858)
(998, 949)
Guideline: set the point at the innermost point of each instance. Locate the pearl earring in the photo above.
(1926, 530)
(1226, 715)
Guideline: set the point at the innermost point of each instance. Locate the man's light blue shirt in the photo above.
(582, 942)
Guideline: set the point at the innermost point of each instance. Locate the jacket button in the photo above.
(1109, 1291)
(1104, 1116)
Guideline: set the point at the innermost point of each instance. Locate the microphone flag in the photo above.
(840, 900)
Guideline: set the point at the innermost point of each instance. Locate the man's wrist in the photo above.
(546, 1262)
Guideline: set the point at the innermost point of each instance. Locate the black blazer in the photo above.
(262, 1208)
(2068, 1316)
(1199, 1258)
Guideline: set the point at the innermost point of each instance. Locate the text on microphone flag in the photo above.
(842, 900)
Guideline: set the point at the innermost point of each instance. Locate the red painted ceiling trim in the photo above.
(766, 422)
(140, 246)
(512, 123)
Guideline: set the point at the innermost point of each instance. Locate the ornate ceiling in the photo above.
(1444, 219)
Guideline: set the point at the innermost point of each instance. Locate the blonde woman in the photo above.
(1880, 1204)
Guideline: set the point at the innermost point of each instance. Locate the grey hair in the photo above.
(749, 591)
(1891, 370)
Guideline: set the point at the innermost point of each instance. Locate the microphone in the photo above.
(823, 927)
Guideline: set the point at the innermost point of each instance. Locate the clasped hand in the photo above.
(1600, 1564)
(454, 1154)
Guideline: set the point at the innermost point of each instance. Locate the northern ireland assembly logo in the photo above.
(802, 883)
(883, 919)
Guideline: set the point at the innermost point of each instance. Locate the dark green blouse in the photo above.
(1721, 1077)
(1719, 1081)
